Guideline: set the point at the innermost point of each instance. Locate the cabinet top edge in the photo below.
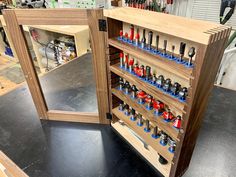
(198, 31)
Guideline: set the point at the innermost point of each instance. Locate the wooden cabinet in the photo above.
(208, 40)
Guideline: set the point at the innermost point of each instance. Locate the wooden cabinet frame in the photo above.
(209, 38)
(15, 19)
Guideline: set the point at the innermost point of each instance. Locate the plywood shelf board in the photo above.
(173, 103)
(149, 114)
(154, 143)
(185, 28)
(177, 70)
(149, 154)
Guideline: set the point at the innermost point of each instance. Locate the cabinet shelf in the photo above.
(178, 70)
(148, 153)
(172, 102)
(155, 120)
(154, 143)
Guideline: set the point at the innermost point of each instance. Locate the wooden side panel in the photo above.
(99, 63)
(205, 73)
(26, 62)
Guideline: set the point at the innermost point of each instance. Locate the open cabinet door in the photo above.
(16, 19)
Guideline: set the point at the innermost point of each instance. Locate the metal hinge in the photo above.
(109, 116)
(102, 25)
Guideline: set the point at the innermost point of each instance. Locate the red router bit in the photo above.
(136, 68)
(121, 59)
(126, 61)
(126, 36)
(131, 63)
(159, 107)
(141, 72)
(137, 37)
(168, 116)
(141, 97)
(131, 33)
(177, 122)
(121, 34)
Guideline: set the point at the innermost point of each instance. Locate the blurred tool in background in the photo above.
(58, 51)
(31, 3)
(164, 6)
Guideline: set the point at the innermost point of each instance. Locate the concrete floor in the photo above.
(59, 149)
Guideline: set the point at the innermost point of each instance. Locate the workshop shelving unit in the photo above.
(80, 35)
(209, 41)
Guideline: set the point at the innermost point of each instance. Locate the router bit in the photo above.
(150, 34)
(167, 85)
(127, 87)
(121, 59)
(126, 61)
(121, 107)
(157, 43)
(164, 47)
(163, 140)
(183, 94)
(149, 100)
(121, 34)
(162, 160)
(191, 54)
(134, 91)
(147, 128)
(175, 89)
(126, 110)
(142, 71)
(154, 79)
(132, 115)
(181, 51)
(121, 84)
(143, 41)
(172, 51)
(155, 133)
(131, 33)
(131, 63)
(172, 144)
(137, 37)
(148, 73)
(140, 120)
